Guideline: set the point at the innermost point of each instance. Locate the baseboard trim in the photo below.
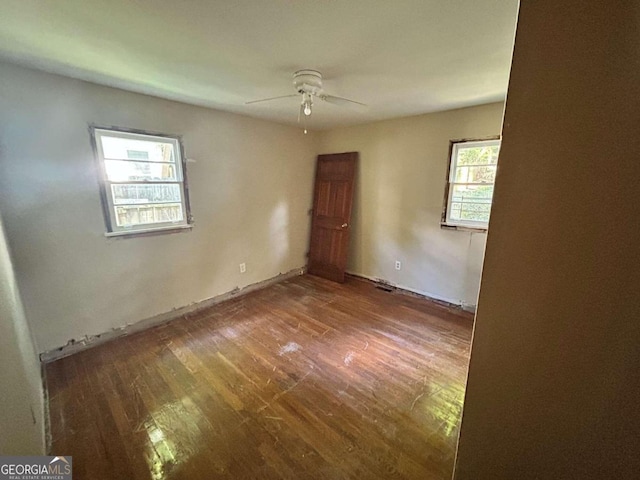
(48, 438)
(95, 340)
(414, 293)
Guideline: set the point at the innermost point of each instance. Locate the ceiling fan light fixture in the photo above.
(307, 103)
(308, 84)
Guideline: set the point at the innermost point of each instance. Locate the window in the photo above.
(472, 172)
(143, 181)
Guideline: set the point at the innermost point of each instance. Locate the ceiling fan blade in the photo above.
(272, 98)
(340, 101)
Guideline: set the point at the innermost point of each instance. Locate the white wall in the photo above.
(553, 389)
(21, 400)
(250, 187)
(399, 198)
(250, 190)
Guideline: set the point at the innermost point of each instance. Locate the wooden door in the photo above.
(331, 221)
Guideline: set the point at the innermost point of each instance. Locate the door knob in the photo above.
(344, 225)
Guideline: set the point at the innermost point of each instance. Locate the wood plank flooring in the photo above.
(306, 379)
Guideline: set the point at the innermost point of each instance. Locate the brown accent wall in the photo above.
(553, 384)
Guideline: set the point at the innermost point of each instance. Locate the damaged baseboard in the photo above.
(91, 341)
(387, 285)
(48, 437)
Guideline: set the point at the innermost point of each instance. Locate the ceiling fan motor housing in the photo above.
(307, 81)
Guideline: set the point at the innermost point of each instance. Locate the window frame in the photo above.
(108, 205)
(445, 221)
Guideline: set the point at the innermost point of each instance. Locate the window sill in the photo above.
(149, 231)
(463, 228)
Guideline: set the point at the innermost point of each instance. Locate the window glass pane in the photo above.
(471, 174)
(155, 193)
(455, 211)
(123, 171)
(480, 155)
(132, 149)
(148, 214)
(472, 193)
(471, 203)
(138, 154)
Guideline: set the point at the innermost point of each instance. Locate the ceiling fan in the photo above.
(308, 84)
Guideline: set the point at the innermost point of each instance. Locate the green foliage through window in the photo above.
(471, 177)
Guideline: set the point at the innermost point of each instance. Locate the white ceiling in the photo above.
(401, 57)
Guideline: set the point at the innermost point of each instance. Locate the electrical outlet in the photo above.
(398, 264)
(243, 267)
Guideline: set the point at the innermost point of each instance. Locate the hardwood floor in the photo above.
(306, 379)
